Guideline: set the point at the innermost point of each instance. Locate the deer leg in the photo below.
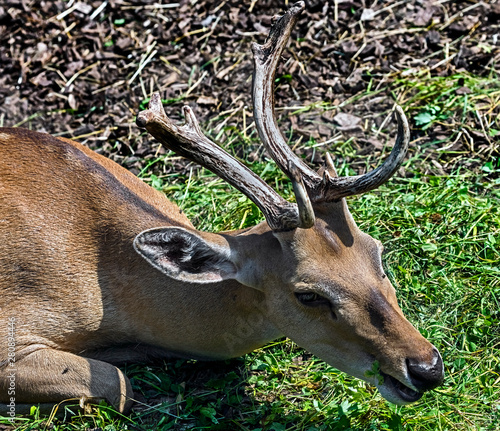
(51, 376)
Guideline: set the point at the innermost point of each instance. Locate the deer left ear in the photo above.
(185, 255)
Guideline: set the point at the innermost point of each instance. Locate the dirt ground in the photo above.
(84, 69)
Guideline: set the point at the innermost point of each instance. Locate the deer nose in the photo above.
(426, 375)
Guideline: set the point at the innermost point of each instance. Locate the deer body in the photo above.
(94, 265)
(91, 293)
(97, 268)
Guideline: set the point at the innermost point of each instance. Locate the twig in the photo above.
(359, 51)
(252, 6)
(190, 89)
(460, 13)
(483, 128)
(153, 6)
(329, 141)
(386, 119)
(116, 84)
(390, 7)
(170, 66)
(231, 115)
(228, 69)
(77, 74)
(66, 12)
(95, 132)
(459, 134)
(219, 7)
(191, 33)
(210, 33)
(99, 10)
(144, 61)
(443, 61)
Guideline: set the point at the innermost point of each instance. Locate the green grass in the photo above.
(439, 99)
(442, 241)
(443, 249)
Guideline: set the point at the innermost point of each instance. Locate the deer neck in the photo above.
(207, 321)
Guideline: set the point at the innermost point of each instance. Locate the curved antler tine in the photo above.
(266, 59)
(188, 140)
(341, 187)
(327, 186)
(330, 166)
(328, 170)
(306, 212)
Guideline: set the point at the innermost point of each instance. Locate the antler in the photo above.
(327, 187)
(266, 59)
(189, 141)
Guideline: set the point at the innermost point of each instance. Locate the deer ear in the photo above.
(186, 256)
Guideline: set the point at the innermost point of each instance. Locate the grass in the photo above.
(441, 237)
(442, 252)
(438, 99)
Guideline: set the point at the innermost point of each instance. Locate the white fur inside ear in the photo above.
(185, 255)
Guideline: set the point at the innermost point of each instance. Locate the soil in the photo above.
(83, 69)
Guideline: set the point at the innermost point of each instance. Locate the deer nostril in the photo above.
(426, 375)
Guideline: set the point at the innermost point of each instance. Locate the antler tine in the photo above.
(326, 187)
(188, 140)
(266, 58)
(340, 187)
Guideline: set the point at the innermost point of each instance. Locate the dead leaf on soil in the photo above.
(347, 122)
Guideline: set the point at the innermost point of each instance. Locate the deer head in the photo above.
(322, 278)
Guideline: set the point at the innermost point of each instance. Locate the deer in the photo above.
(97, 268)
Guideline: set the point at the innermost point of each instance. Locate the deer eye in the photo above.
(311, 299)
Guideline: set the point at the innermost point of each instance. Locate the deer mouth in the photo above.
(399, 389)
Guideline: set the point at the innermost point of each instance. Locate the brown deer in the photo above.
(97, 268)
